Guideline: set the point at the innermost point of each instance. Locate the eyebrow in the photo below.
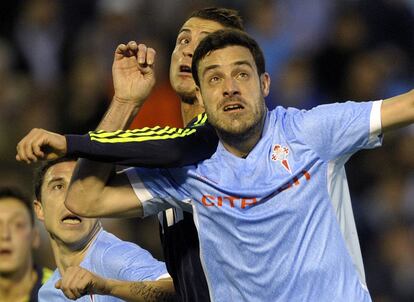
(17, 215)
(189, 31)
(55, 179)
(237, 63)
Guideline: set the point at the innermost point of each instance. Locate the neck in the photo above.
(240, 145)
(18, 285)
(190, 109)
(71, 255)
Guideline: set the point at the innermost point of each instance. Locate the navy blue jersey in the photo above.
(181, 249)
(148, 147)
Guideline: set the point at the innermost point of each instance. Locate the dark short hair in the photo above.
(229, 18)
(40, 172)
(222, 39)
(14, 192)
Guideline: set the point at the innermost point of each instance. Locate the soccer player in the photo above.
(265, 202)
(164, 147)
(92, 264)
(20, 278)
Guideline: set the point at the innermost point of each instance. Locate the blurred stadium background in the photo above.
(55, 73)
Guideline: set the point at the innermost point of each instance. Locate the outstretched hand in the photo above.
(40, 144)
(133, 72)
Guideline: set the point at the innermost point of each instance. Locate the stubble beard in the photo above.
(185, 89)
(236, 131)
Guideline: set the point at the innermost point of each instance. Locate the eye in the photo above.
(20, 225)
(242, 75)
(183, 41)
(214, 79)
(57, 187)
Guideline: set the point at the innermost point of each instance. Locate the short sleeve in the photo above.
(338, 129)
(157, 190)
(128, 261)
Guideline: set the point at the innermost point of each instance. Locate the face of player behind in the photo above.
(189, 36)
(232, 91)
(17, 237)
(64, 227)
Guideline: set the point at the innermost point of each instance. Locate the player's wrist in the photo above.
(127, 102)
(106, 286)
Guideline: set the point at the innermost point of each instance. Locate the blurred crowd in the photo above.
(55, 73)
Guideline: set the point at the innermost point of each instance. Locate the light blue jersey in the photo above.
(110, 257)
(276, 225)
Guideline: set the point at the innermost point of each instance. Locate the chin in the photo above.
(238, 128)
(8, 269)
(184, 91)
(235, 129)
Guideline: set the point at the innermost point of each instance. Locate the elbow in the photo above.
(81, 202)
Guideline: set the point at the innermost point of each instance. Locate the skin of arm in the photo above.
(77, 282)
(91, 193)
(398, 111)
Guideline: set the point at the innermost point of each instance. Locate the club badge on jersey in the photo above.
(280, 154)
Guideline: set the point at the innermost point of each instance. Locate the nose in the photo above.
(230, 87)
(188, 51)
(5, 233)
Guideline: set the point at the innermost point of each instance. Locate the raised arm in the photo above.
(91, 191)
(77, 282)
(397, 111)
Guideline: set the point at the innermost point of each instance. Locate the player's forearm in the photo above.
(398, 111)
(119, 115)
(90, 177)
(144, 291)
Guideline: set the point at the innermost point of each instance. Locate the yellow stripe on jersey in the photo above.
(47, 273)
(130, 139)
(151, 132)
(201, 119)
(146, 133)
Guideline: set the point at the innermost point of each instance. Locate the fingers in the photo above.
(32, 147)
(29, 148)
(144, 55)
(75, 282)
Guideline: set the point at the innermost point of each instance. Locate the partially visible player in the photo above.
(92, 263)
(20, 278)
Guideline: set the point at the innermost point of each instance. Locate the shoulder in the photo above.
(113, 252)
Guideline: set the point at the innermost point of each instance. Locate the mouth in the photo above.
(71, 219)
(5, 252)
(185, 69)
(234, 107)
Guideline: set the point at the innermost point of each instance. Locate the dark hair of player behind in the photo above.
(13, 192)
(229, 18)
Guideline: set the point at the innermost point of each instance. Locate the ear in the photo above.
(265, 83)
(38, 208)
(199, 97)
